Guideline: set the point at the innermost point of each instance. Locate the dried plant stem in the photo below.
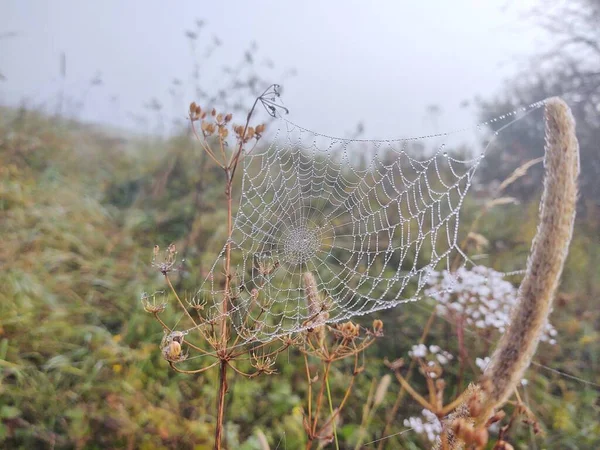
(414, 394)
(346, 395)
(223, 353)
(316, 431)
(309, 393)
(217, 331)
(333, 421)
(549, 251)
(179, 300)
(327, 366)
(224, 325)
(221, 403)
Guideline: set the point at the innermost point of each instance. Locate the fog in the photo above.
(382, 63)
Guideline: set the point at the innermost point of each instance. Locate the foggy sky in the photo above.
(381, 63)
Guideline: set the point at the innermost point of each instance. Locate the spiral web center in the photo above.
(300, 245)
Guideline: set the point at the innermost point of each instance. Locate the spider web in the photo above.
(367, 219)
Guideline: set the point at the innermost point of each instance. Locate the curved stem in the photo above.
(204, 369)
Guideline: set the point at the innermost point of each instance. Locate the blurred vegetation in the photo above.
(80, 366)
(79, 360)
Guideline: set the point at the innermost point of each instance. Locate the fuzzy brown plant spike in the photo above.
(544, 266)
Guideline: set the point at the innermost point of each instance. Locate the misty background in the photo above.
(340, 63)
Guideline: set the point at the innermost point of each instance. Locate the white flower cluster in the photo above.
(480, 296)
(433, 352)
(427, 424)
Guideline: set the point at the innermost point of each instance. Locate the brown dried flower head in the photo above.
(168, 262)
(195, 112)
(349, 330)
(264, 364)
(378, 327)
(150, 304)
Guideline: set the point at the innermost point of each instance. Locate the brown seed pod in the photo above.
(480, 437)
(174, 350)
(377, 326)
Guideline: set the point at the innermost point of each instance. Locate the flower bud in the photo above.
(377, 326)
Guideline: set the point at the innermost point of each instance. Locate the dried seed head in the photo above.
(459, 425)
(349, 330)
(174, 350)
(496, 418)
(378, 327)
(464, 430)
(168, 262)
(474, 405)
(213, 112)
(228, 118)
(219, 118)
(150, 304)
(312, 294)
(480, 437)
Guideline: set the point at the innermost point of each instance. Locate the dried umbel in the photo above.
(549, 251)
(151, 305)
(168, 262)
